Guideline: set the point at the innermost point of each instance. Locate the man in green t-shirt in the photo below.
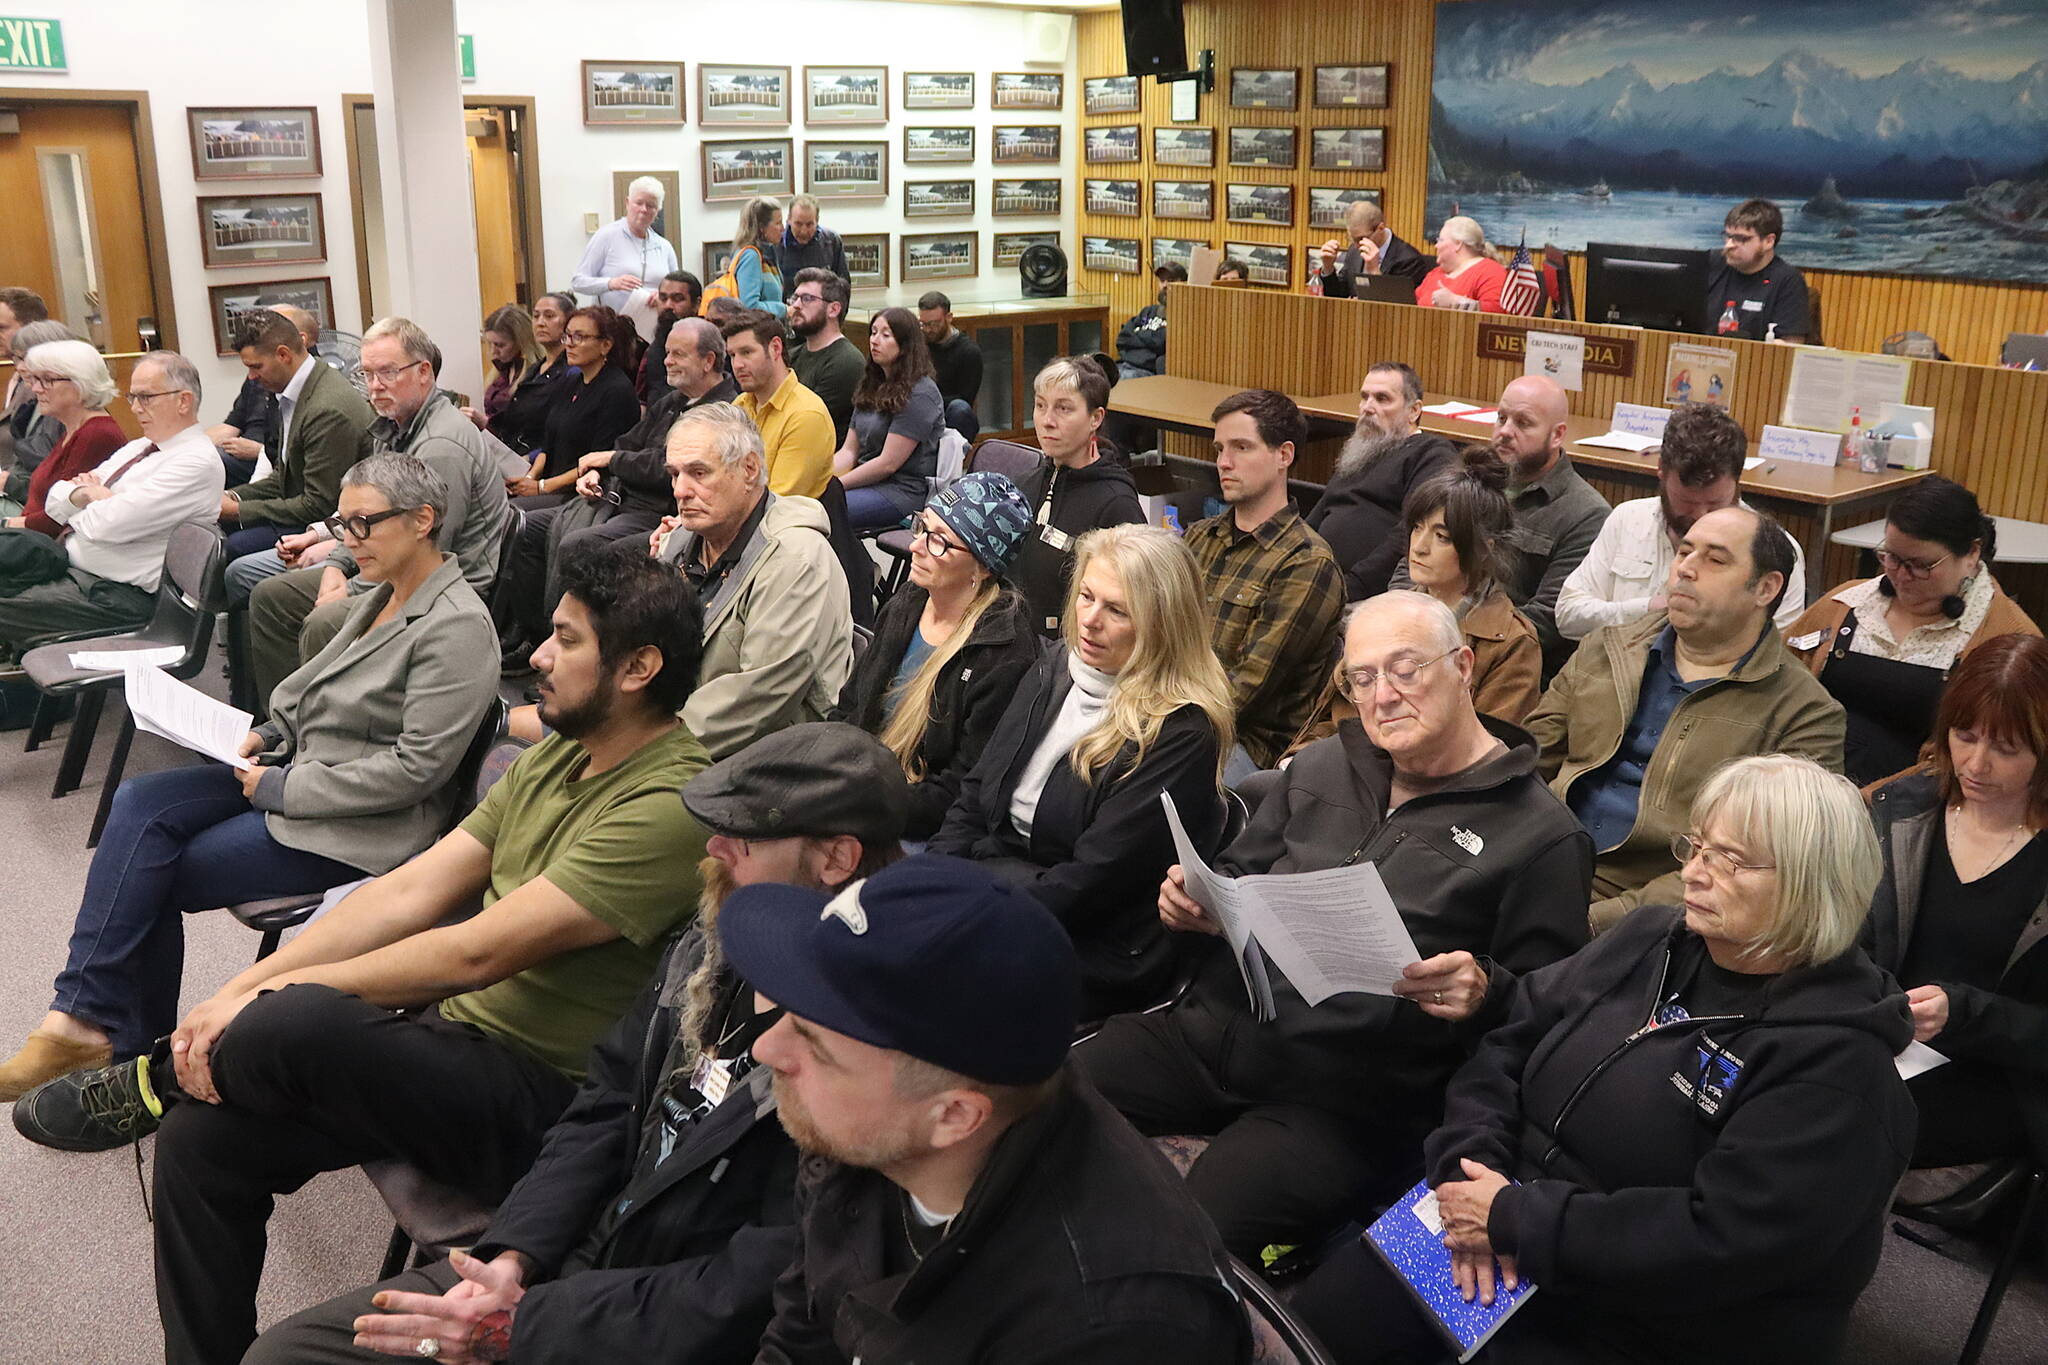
(827, 363)
(382, 1031)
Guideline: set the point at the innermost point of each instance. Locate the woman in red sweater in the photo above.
(72, 385)
(1466, 275)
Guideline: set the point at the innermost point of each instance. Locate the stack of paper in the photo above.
(1453, 409)
(1483, 416)
(119, 660)
(184, 715)
(1622, 440)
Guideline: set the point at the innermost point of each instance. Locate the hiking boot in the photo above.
(45, 1057)
(92, 1111)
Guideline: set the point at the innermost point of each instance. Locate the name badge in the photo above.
(1752, 305)
(1055, 537)
(711, 1080)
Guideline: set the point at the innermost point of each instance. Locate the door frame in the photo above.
(161, 290)
(529, 184)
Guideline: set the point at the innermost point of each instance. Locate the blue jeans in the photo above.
(878, 507)
(176, 841)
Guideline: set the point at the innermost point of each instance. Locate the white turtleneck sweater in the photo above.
(1079, 713)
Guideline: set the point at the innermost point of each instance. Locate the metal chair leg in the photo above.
(78, 744)
(271, 938)
(44, 721)
(116, 765)
(395, 1254)
(2001, 1275)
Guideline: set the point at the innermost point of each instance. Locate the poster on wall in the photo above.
(937, 144)
(632, 92)
(1010, 246)
(846, 94)
(846, 170)
(1178, 251)
(938, 90)
(1260, 87)
(261, 229)
(1262, 147)
(739, 95)
(1264, 263)
(867, 259)
(1117, 255)
(1184, 146)
(253, 144)
(1269, 204)
(938, 198)
(1347, 149)
(1110, 95)
(717, 256)
(1023, 198)
(1118, 142)
(1894, 140)
(745, 168)
(1016, 144)
(1118, 198)
(1183, 199)
(940, 255)
(1043, 91)
(1328, 205)
(1351, 87)
(230, 304)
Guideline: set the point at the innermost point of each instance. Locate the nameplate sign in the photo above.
(1639, 419)
(1604, 355)
(1796, 443)
(31, 45)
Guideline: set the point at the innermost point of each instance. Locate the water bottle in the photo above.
(1731, 321)
(1852, 442)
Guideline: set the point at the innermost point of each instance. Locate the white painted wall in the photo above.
(296, 52)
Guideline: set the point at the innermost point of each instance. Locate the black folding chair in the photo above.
(1997, 1189)
(1278, 1337)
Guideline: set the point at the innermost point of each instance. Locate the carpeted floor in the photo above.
(75, 1277)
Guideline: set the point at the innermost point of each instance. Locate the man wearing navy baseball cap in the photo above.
(966, 1196)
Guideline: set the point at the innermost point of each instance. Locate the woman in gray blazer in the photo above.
(349, 776)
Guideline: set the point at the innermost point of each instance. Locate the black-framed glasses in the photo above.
(579, 336)
(1911, 568)
(801, 297)
(389, 376)
(136, 400)
(934, 537)
(360, 527)
(1720, 862)
(1402, 673)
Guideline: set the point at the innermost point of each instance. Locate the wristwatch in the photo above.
(490, 1336)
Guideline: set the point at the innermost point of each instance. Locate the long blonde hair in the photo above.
(904, 734)
(754, 220)
(1172, 664)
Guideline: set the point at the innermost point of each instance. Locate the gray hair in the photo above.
(411, 338)
(734, 435)
(404, 480)
(78, 362)
(804, 201)
(177, 372)
(647, 184)
(39, 334)
(1442, 621)
(1811, 823)
(704, 335)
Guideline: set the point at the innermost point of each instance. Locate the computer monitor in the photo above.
(1647, 286)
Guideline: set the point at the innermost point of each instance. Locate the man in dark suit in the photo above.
(1374, 250)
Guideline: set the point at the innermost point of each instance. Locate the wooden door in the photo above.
(494, 186)
(74, 227)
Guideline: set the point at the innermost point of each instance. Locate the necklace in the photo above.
(2019, 832)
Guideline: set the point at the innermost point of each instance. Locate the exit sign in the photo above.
(31, 44)
(465, 45)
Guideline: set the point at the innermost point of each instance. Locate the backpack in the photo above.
(727, 285)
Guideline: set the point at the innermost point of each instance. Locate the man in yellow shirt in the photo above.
(796, 428)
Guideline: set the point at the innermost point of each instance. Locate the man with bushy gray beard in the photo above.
(1385, 456)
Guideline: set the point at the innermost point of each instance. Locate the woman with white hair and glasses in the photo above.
(1686, 1134)
(71, 385)
(349, 778)
(32, 432)
(627, 256)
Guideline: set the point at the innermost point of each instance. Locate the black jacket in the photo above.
(1359, 514)
(1097, 849)
(639, 467)
(1493, 864)
(2006, 1028)
(678, 1263)
(1141, 342)
(1102, 494)
(1078, 1245)
(1701, 1191)
(525, 419)
(967, 701)
(1398, 259)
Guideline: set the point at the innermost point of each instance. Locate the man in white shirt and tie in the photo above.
(119, 517)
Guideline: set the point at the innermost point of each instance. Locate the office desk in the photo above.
(2019, 542)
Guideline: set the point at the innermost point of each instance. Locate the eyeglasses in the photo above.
(43, 381)
(801, 297)
(1720, 862)
(1911, 568)
(137, 399)
(1402, 673)
(579, 336)
(390, 376)
(360, 527)
(935, 543)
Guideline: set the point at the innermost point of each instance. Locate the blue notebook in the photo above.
(1409, 1237)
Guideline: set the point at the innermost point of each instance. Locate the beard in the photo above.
(873, 1149)
(1365, 444)
(1522, 468)
(1673, 523)
(808, 328)
(584, 717)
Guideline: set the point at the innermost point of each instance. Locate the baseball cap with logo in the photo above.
(932, 956)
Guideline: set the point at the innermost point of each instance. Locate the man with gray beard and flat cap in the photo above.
(1384, 457)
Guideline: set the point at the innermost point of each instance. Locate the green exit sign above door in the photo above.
(31, 44)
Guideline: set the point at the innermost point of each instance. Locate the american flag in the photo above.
(1523, 291)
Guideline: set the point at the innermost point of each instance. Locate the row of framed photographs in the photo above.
(1351, 86)
(920, 255)
(1264, 262)
(651, 93)
(1330, 149)
(855, 170)
(1195, 201)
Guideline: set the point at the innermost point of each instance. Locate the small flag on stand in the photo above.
(1523, 291)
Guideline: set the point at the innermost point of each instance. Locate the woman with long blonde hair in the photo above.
(756, 269)
(1065, 800)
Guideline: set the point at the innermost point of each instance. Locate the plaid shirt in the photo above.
(1276, 594)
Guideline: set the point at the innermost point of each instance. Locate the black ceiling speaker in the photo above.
(1155, 37)
(1043, 270)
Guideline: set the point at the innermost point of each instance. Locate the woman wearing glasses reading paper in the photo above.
(1686, 1134)
(350, 779)
(1884, 646)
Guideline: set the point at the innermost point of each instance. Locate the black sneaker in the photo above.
(91, 1111)
(515, 660)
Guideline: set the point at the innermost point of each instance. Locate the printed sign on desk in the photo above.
(1796, 443)
(1699, 374)
(1639, 419)
(1556, 356)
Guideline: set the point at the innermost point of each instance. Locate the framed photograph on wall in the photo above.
(938, 90)
(261, 230)
(1264, 263)
(231, 303)
(1327, 204)
(1010, 246)
(1016, 144)
(1043, 91)
(1347, 149)
(846, 94)
(730, 96)
(671, 202)
(937, 199)
(633, 92)
(1184, 146)
(940, 255)
(1025, 198)
(1178, 251)
(846, 170)
(1118, 255)
(1119, 198)
(1262, 147)
(1109, 95)
(1269, 204)
(717, 255)
(1183, 199)
(745, 167)
(253, 144)
(867, 259)
(1265, 87)
(922, 145)
(1351, 87)
(1117, 142)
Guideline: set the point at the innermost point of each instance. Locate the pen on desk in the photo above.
(1770, 469)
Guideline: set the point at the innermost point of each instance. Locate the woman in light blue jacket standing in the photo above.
(755, 271)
